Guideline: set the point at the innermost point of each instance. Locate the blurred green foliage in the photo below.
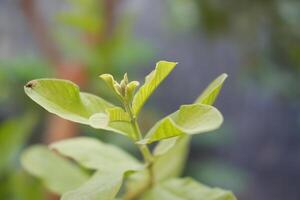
(15, 184)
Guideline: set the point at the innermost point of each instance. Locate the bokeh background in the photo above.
(256, 153)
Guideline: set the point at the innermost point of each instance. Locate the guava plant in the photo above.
(105, 172)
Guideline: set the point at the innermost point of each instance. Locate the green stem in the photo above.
(147, 155)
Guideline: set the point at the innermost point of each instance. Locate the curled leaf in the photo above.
(162, 69)
(188, 120)
(114, 85)
(212, 91)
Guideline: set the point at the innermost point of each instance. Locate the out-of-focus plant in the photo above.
(109, 166)
(14, 183)
(16, 131)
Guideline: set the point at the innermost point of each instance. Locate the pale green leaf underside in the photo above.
(162, 69)
(96, 155)
(188, 120)
(102, 186)
(171, 163)
(212, 91)
(187, 189)
(110, 162)
(58, 174)
(64, 99)
(163, 146)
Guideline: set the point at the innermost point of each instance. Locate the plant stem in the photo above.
(147, 155)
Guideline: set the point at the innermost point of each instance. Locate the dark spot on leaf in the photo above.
(31, 84)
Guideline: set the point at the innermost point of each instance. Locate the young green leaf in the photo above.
(114, 85)
(124, 90)
(64, 99)
(130, 89)
(58, 174)
(207, 97)
(116, 114)
(186, 188)
(212, 91)
(162, 69)
(188, 120)
(102, 186)
(96, 155)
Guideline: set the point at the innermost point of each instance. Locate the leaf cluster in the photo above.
(109, 167)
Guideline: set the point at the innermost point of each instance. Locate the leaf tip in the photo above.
(105, 76)
(31, 84)
(224, 75)
(166, 62)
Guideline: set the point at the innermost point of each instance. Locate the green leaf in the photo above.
(64, 99)
(163, 146)
(207, 97)
(171, 154)
(212, 91)
(110, 162)
(94, 154)
(171, 163)
(186, 189)
(130, 89)
(58, 174)
(110, 122)
(188, 120)
(114, 85)
(117, 114)
(162, 69)
(102, 186)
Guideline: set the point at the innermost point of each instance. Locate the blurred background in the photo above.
(256, 153)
